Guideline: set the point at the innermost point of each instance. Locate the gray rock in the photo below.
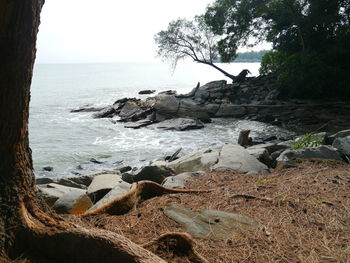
(330, 139)
(147, 91)
(119, 190)
(209, 223)
(178, 181)
(191, 109)
(271, 147)
(167, 105)
(179, 124)
(128, 177)
(236, 158)
(52, 192)
(262, 155)
(102, 184)
(134, 111)
(201, 160)
(153, 173)
(82, 179)
(87, 108)
(231, 110)
(107, 112)
(48, 168)
(73, 202)
(70, 183)
(321, 152)
(45, 180)
(342, 144)
(138, 124)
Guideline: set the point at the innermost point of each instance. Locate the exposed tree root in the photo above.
(139, 191)
(179, 244)
(54, 240)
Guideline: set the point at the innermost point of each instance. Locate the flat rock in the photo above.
(107, 112)
(73, 203)
(209, 223)
(272, 147)
(138, 124)
(179, 124)
(262, 155)
(321, 152)
(345, 133)
(119, 190)
(147, 91)
(201, 160)
(102, 184)
(178, 181)
(52, 192)
(236, 158)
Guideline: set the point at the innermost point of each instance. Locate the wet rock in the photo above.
(87, 108)
(147, 91)
(72, 203)
(52, 192)
(173, 156)
(102, 184)
(153, 173)
(178, 181)
(124, 169)
(93, 160)
(134, 110)
(179, 124)
(45, 180)
(138, 124)
(236, 158)
(119, 190)
(48, 168)
(321, 152)
(201, 160)
(210, 224)
(262, 155)
(107, 112)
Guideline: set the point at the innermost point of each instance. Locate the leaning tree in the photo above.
(26, 225)
(190, 39)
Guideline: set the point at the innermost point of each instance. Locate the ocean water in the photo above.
(66, 140)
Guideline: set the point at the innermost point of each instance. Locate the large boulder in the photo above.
(134, 110)
(178, 181)
(330, 139)
(73, 202)
(102, 184)
(201, 160)
(167, 105)
(153, 173)
(342, 144)
(231, 110)
(52, 192)
(107, 112)
(191, 109)
(321, 152)
(179, 124)
(236, 158)
(119, 190)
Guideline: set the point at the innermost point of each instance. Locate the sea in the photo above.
(70, 142)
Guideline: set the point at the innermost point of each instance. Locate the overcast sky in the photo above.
(107, 30)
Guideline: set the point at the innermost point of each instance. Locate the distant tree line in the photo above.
(310, 39)
(252, 56)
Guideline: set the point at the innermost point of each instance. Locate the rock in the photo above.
(321, 152)
(201, 160)
(147, 91)
(128, 177)
(174, 156)
(272, 147)
(119, 190)
(107, 112)
(262, 155)
(73, 203)
(52, 192)
(93, 160)
(210, 224)
(236, 158)
(87, 108)
(179, 124)
(231, 110)
(82, 179)
(124, 169)
(178, 181)
(188, 108)
(153, 173)
(168, 92)
(134, 110)
(330, 139)
(342, 144)
(138, 124)
(167, 105)
(102, 184)
(48, 168)
(45, 180)
(70, 183)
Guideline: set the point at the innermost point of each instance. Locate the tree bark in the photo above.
(25, 227)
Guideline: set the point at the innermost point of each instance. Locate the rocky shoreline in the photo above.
(256, 98)
(81, 194)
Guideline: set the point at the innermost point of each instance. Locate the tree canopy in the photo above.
(311, 36)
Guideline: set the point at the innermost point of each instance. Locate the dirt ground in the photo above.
(303, 212)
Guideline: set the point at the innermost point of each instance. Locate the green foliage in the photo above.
(270, 62)
(308, 140)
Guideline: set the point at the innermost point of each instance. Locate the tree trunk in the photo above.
(24, 228)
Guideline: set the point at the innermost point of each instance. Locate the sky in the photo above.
(82, 31)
